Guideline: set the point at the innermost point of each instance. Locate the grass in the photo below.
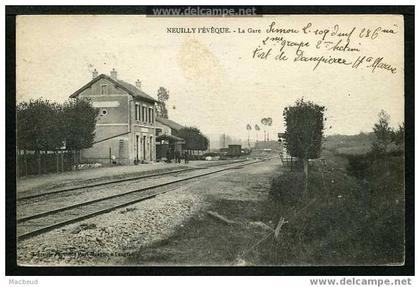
(342, 220)
(206, 241)
(353, 221)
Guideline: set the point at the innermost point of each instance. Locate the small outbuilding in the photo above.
(167, 141)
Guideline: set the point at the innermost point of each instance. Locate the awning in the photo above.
(170, 138)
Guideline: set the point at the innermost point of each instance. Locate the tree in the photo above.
(304, 132)
(204, 143)
(45, 126)
(383, 133)
(257, 129)
(269, 123)
(79, 119)
(163, 96)
(264, 123)
(194, 139)
(39, 127)
(248, 128)
(399, 136)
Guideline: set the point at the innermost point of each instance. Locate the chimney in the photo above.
(94, 74)
(138, 84)
(113, 74)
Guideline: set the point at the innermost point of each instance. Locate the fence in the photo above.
(30, 162)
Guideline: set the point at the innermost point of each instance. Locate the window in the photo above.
(140, 114)
(143, 114)
(104, 89)
(104, 112)
(137, 112)
(150, 115)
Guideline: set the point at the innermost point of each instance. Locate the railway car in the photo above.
(234, 150)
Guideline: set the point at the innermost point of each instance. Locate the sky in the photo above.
(213, 81)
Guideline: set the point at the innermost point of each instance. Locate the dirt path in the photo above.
(241, 197)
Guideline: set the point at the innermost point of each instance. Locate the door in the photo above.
(144, 147)
(151, 148)
(121, 150)
(137, 147)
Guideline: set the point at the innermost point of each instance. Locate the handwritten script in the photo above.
(319, 45)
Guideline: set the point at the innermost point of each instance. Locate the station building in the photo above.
(126, 127)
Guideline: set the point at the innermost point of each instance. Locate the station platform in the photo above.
(86, 176)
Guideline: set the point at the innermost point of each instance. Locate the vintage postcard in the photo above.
(191, 138)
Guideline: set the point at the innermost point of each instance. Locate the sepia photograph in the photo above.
(201, 136)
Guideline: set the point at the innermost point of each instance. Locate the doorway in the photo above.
(151, 148)
(137, 147)
(144, 147)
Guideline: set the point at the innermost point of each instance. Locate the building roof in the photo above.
(129, 88)
(169, 123)
(170, 138)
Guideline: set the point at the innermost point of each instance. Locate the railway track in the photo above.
(104, 183)
(39, 223)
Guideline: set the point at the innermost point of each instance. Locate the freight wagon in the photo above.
(234, 150)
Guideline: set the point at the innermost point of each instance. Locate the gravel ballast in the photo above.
(109, 238)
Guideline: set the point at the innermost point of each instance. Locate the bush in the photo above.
(372, 164)
(358, 165)
(288, 188)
